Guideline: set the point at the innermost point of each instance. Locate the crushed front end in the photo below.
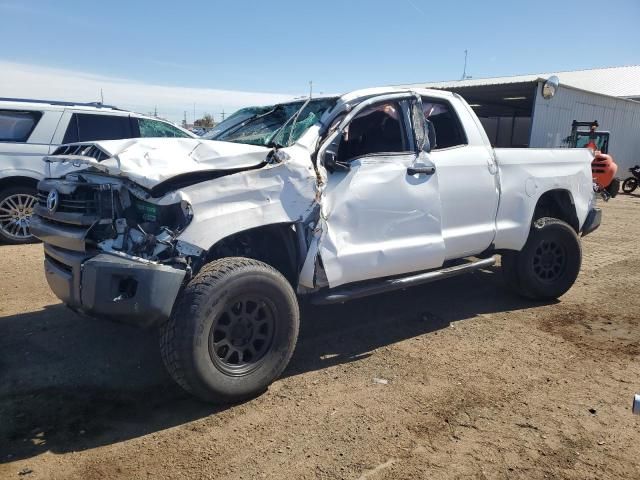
(109, 251)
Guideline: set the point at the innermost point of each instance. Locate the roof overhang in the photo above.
(500, 100)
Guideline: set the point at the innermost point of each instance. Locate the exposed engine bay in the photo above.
(114, 217)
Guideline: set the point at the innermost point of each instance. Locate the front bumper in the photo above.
(110, 286)
(594, 217)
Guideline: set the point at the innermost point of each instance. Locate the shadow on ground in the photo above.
(70, 383)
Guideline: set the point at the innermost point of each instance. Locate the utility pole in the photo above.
(101, 97)
(310, 88)
(155, 111)
(184, 122)
(194, 113)
(464, 71)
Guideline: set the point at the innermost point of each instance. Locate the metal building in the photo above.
(515, 113)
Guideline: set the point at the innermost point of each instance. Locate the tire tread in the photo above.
(190, 301)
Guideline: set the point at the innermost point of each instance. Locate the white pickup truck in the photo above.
(335, 198)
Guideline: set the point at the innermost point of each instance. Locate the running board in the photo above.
(345, 294)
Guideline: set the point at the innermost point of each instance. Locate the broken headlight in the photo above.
(154, 218)
(149, 230)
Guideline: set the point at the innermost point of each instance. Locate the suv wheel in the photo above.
(16, 208)
(548, 264)
(232, 331)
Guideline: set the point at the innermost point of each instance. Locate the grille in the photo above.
(85, 200)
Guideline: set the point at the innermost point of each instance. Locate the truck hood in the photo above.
(151, 161)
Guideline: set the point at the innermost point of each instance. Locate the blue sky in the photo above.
(278, 46)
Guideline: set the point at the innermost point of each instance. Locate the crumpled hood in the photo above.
(150, 161)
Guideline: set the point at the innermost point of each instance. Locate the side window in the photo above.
(17, 125)
(378, 129)
(155, 128)
(98, 127)
(71, 135)
(448, 130)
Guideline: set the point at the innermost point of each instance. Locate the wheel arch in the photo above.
(278, 244)
(18, 180)
(557, 203)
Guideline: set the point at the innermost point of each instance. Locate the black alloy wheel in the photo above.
(242, 334)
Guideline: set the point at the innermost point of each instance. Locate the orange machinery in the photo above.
(603, 168)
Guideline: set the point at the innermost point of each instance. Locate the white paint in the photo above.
(150, 161)
(280, 193)
(378, 221)
(549, 169)
(469, 195)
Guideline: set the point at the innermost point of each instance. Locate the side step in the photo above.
(347, 293)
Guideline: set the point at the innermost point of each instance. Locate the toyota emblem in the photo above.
(52, 201)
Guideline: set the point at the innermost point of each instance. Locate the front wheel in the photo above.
(629, 185)
(548, 264)
(16, 208)
(232, 332)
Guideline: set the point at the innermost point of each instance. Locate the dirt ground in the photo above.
(458, 379)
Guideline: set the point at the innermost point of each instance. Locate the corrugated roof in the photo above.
(614, 81)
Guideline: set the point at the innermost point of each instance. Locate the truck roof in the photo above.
(367, 92)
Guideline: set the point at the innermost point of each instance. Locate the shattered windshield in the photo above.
(269, 126)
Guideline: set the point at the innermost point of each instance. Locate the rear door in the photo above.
(382, 216)
(25, 135)
(468, 180)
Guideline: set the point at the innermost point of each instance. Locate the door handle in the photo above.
(421, 170)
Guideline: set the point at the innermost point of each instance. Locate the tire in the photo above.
(548, 264)
(614, 188)
(629, 185)
(16, 208)
(232, 332)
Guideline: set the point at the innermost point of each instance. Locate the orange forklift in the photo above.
(603, 168)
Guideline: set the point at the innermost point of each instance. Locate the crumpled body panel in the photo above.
(279, 193)
(377, 221)
(150, 161)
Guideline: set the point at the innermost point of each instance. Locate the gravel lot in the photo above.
(449, 380)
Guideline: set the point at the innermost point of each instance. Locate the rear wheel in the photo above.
(629, 185)
(16, 208)
(548, 264)
(232, 331)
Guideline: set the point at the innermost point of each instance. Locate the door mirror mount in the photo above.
(332, 163)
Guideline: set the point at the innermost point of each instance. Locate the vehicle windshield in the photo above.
(270, 126)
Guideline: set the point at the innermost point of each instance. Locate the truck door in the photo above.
(467, 176)
(381, 203)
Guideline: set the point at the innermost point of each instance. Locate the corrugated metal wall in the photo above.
(552, 122)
